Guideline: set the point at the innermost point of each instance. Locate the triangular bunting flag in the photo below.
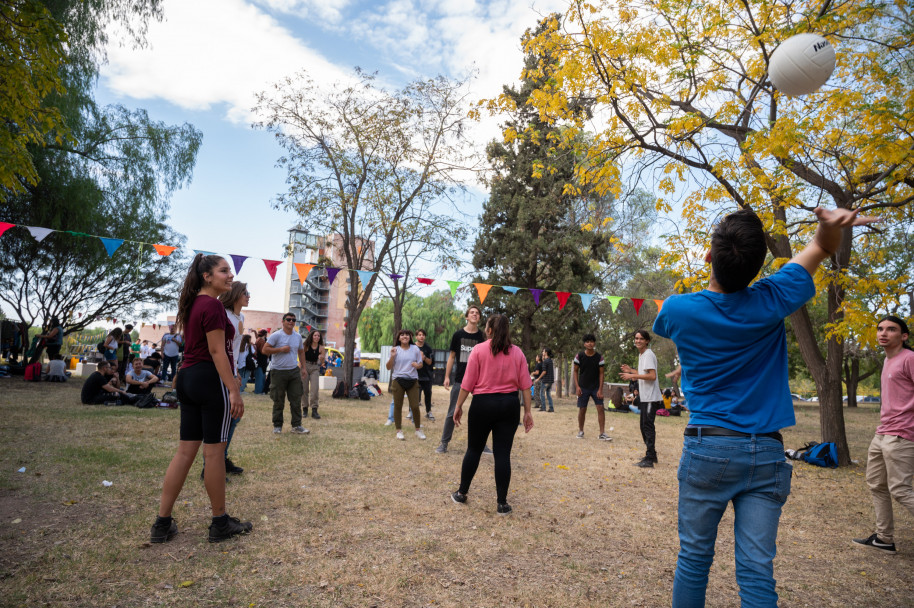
(483, 290)
(511, 289)
(453, 285)
(614, 302)
(196, 251)
(303, 270)
(4, 226)
(637, 302)
(536, 295)
(425, 281)
(39, 233)
(365, 277)
(308, 327)
(331, 273)
(238, 261)
(659, 304)
(563, 298)
(111, 245)
(586, 298)
(164, 250)
(395, 276)
(271, 267)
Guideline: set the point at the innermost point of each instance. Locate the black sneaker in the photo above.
(459, 498)
(232, 526)
(231, 467)
(315, 415)
(504, 508)
(645, 463)
(874, 543)
(163, 530)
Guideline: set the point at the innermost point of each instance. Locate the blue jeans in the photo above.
(546, 393)
(245, 375)
(166, 362)
(259, 378)
(752, 473)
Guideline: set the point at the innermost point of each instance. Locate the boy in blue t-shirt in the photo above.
(733, 349)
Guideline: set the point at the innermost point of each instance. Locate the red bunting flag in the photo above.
(637, 302)
(659, 304)
(271, 267)
(425, 281)
(303, 270)
(309, 327)
(4, 226)
(563, 298)
(165, 250)
(483, 291)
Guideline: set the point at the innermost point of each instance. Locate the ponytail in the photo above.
(193, 283)
(501, 334)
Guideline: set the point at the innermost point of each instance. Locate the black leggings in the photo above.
(496, 413)
(425, 387)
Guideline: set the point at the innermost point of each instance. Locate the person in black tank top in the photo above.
(310, 375)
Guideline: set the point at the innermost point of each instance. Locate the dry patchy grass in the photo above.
(348, 516)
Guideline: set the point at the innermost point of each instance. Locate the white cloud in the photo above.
(211, 52)
(326, 10)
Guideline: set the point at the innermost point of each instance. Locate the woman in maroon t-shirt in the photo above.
(209, 396)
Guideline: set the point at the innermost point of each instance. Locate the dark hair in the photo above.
(589, 338)
(230, 297)
(102, 363)
(418, 331)
(548, 352)
(193, 283)
(310, 335)
(400, 333)
(644, 334)
(261, 333)
(900, 323)
(737, 250)
(245, 341)
(471, 307)
(117, 332)
(501, 334)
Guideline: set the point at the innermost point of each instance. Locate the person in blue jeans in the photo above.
(547, 377)
(732, 346)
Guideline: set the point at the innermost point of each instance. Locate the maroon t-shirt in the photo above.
(206, 314)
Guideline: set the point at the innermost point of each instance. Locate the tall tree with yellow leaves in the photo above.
(682, 86)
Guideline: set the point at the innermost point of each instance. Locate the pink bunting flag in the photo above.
(659, 304)
(164, 250)
(271, 267)
(483, 290)
(637, 302)
(4, 226)
(425, 281)
(563, 298)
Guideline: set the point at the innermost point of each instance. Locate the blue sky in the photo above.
(205, 62)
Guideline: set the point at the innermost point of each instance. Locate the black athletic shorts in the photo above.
(205, 408)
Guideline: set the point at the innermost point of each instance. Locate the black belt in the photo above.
(717, 431)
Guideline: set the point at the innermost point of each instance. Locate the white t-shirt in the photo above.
(143, 376)
(288, 360)
(57, 368)
(237, 322)
(649, 390)
(145, 351)
(170, 345)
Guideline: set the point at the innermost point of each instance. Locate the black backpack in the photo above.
(340, 391)
(147, 401)
(362, 390)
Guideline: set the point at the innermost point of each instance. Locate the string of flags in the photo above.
(111, 245)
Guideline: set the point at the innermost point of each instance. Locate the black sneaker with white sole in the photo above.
(163, 530)
(504, 508)
(225, 527)
(459, 498)
(873, 542)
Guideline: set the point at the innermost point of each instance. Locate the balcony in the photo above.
(316, 299)
(319, 312)
(321, 284)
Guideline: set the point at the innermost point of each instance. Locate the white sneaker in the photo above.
(420, 434)
(400, 435)
(580, 434)
(604, 437)
(277, 429)
(389, 422)
(298, 430)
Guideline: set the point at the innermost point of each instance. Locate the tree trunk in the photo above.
(851, 379)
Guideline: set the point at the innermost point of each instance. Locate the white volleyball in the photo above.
(801, 64)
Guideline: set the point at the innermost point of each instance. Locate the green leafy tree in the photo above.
(434, 313)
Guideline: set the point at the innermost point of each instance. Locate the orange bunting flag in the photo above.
(303, 270)
(659, 304)
(563, 298)
(483, 291)
(164, 249)
(637, 302)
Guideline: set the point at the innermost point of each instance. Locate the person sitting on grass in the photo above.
(139, 380)
(56, 370)
(101, 387)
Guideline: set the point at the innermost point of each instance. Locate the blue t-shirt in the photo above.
(733, 350)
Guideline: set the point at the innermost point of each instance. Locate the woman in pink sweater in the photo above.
(496, 372)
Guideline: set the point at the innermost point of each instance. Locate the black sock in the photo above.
(221, 519)
(163, 520)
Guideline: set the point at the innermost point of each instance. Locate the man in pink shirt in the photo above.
(890, 465)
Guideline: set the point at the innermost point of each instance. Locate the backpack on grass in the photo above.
(33, 372)
(147, 401)
(818, 454)
(340, 391)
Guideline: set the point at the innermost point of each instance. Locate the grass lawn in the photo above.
(348, 516)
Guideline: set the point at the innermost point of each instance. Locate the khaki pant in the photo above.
(286, 383)
(889, 471)
(397, 392)
(310, 385)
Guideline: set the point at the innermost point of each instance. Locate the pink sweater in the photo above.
(487, 373)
